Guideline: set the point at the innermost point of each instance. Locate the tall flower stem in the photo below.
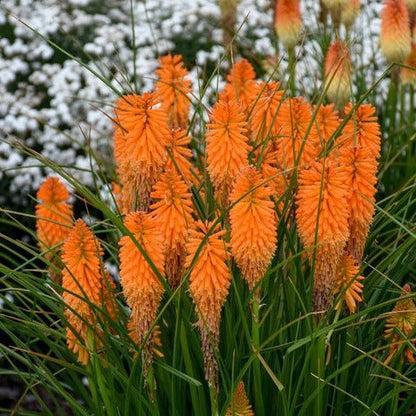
(317, 372)
(213, 395)
(255, 340)
(292, 70)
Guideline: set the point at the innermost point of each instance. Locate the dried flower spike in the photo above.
(174, 90)
(253, 225)
(322, 218)
(348, 281)
(227, 146)
(209, 283)
(395, 31)
(172, 211)
(338, 72)
(240, 405)
(400, 324)
(143, 137)
(288, 22)
(141, 287)
(82, 282)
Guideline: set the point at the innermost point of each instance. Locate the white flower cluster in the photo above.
(60, 109)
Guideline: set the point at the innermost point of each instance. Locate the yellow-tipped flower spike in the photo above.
(253, 225)
(288, 22)
(83, 284)
(395, 31)
(411, 5)
(408, 75)
(263, 117)
(293, 148)
(172, 211)
(322, 218)
(338, 72)
(335, 7)
(227, 146)
(209, 284)
(142, 135)
(348, 281)
(174, 90)
(400, 324)
(240, 405)
(350, 11)
(141, 287)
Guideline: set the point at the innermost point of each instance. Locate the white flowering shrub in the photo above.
(55, 106)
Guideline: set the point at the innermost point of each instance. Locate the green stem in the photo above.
(97, 369)
(317, 372)
(255, 339)
(214, 400)
(292, 70)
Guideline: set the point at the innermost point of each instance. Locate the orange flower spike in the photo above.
(174, 90)
(143, 149)
(338, 72)
(294, 117)
(82, 283)
(270, 171)
(253, 225)
(350, 11)
(361, 167)
(209, 284)
(362, 129)
(288, 22)
(108, 299)
(395, 34)
(401, 320)
(227, 145)
(263, 118)
(180, 154)
(172, 212)
(241, 85)
(141, 287)
(322, 219)
(348, 280)
(407, 75)
(53, 214)
(327, 121)
(240, 405)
